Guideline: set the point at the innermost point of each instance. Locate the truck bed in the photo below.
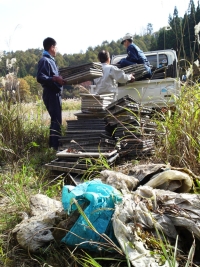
(152, 93)
(163, 86)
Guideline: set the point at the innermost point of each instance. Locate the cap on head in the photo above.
(128, 36)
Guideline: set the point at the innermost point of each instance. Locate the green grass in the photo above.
(23, 153)
(71, 104)
(180, 142)
(22, 132)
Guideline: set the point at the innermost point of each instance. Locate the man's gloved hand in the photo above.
(59, 80)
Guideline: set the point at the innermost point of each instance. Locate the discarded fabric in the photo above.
(101, 200)
(144, 212)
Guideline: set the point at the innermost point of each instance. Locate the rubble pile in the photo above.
(155, 211)
(81, 73)
(88, 137)
(104, 129)
(115, 211)
(134, 130)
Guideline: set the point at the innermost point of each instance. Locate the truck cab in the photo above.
(159, 91)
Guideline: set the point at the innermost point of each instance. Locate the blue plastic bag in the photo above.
(102, 199)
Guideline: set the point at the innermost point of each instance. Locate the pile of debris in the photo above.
(117, 212)
(134, 129)
(87, 138)
(81, 73)
(122, 128)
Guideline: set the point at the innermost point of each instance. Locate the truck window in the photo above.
(162, 60)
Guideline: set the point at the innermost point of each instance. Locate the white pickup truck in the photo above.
(159, 91)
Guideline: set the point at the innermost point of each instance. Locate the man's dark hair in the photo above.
(48, 42)
(103, 56)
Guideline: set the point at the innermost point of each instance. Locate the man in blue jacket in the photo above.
(48, 77)
(135, 55)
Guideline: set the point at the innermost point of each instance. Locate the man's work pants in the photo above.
(53, 103)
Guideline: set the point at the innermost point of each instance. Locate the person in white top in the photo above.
(111, 76)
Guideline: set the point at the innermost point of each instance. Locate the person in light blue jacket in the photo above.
(135, 55)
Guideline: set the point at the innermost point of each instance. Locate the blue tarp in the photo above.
(101, 199)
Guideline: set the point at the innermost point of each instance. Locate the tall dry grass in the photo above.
(179, 143)
(21, 129)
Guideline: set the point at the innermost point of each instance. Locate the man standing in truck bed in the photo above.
(135, 55)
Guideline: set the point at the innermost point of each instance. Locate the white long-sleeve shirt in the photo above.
(108, 82)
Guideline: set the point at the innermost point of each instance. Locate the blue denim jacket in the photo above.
(135, 56)
(46, 70)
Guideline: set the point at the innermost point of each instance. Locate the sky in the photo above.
(78, 24)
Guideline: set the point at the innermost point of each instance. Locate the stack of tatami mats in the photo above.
(86, 139)
(134, 130)
(125, 129)
(81, 73)
(95, 103)
(139, 71)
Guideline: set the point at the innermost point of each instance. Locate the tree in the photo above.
(23, 91)
(91, 56)
(188, 26)
(146, 39)
(35, 87)
(175, 12)
(149, 28)
(154, 39)
(138, 40)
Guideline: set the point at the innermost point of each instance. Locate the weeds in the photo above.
(71, 104)
(23, 152)
(21, 132)
(23, 144)
(180, 142)
(95, 166)
(171, 253)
